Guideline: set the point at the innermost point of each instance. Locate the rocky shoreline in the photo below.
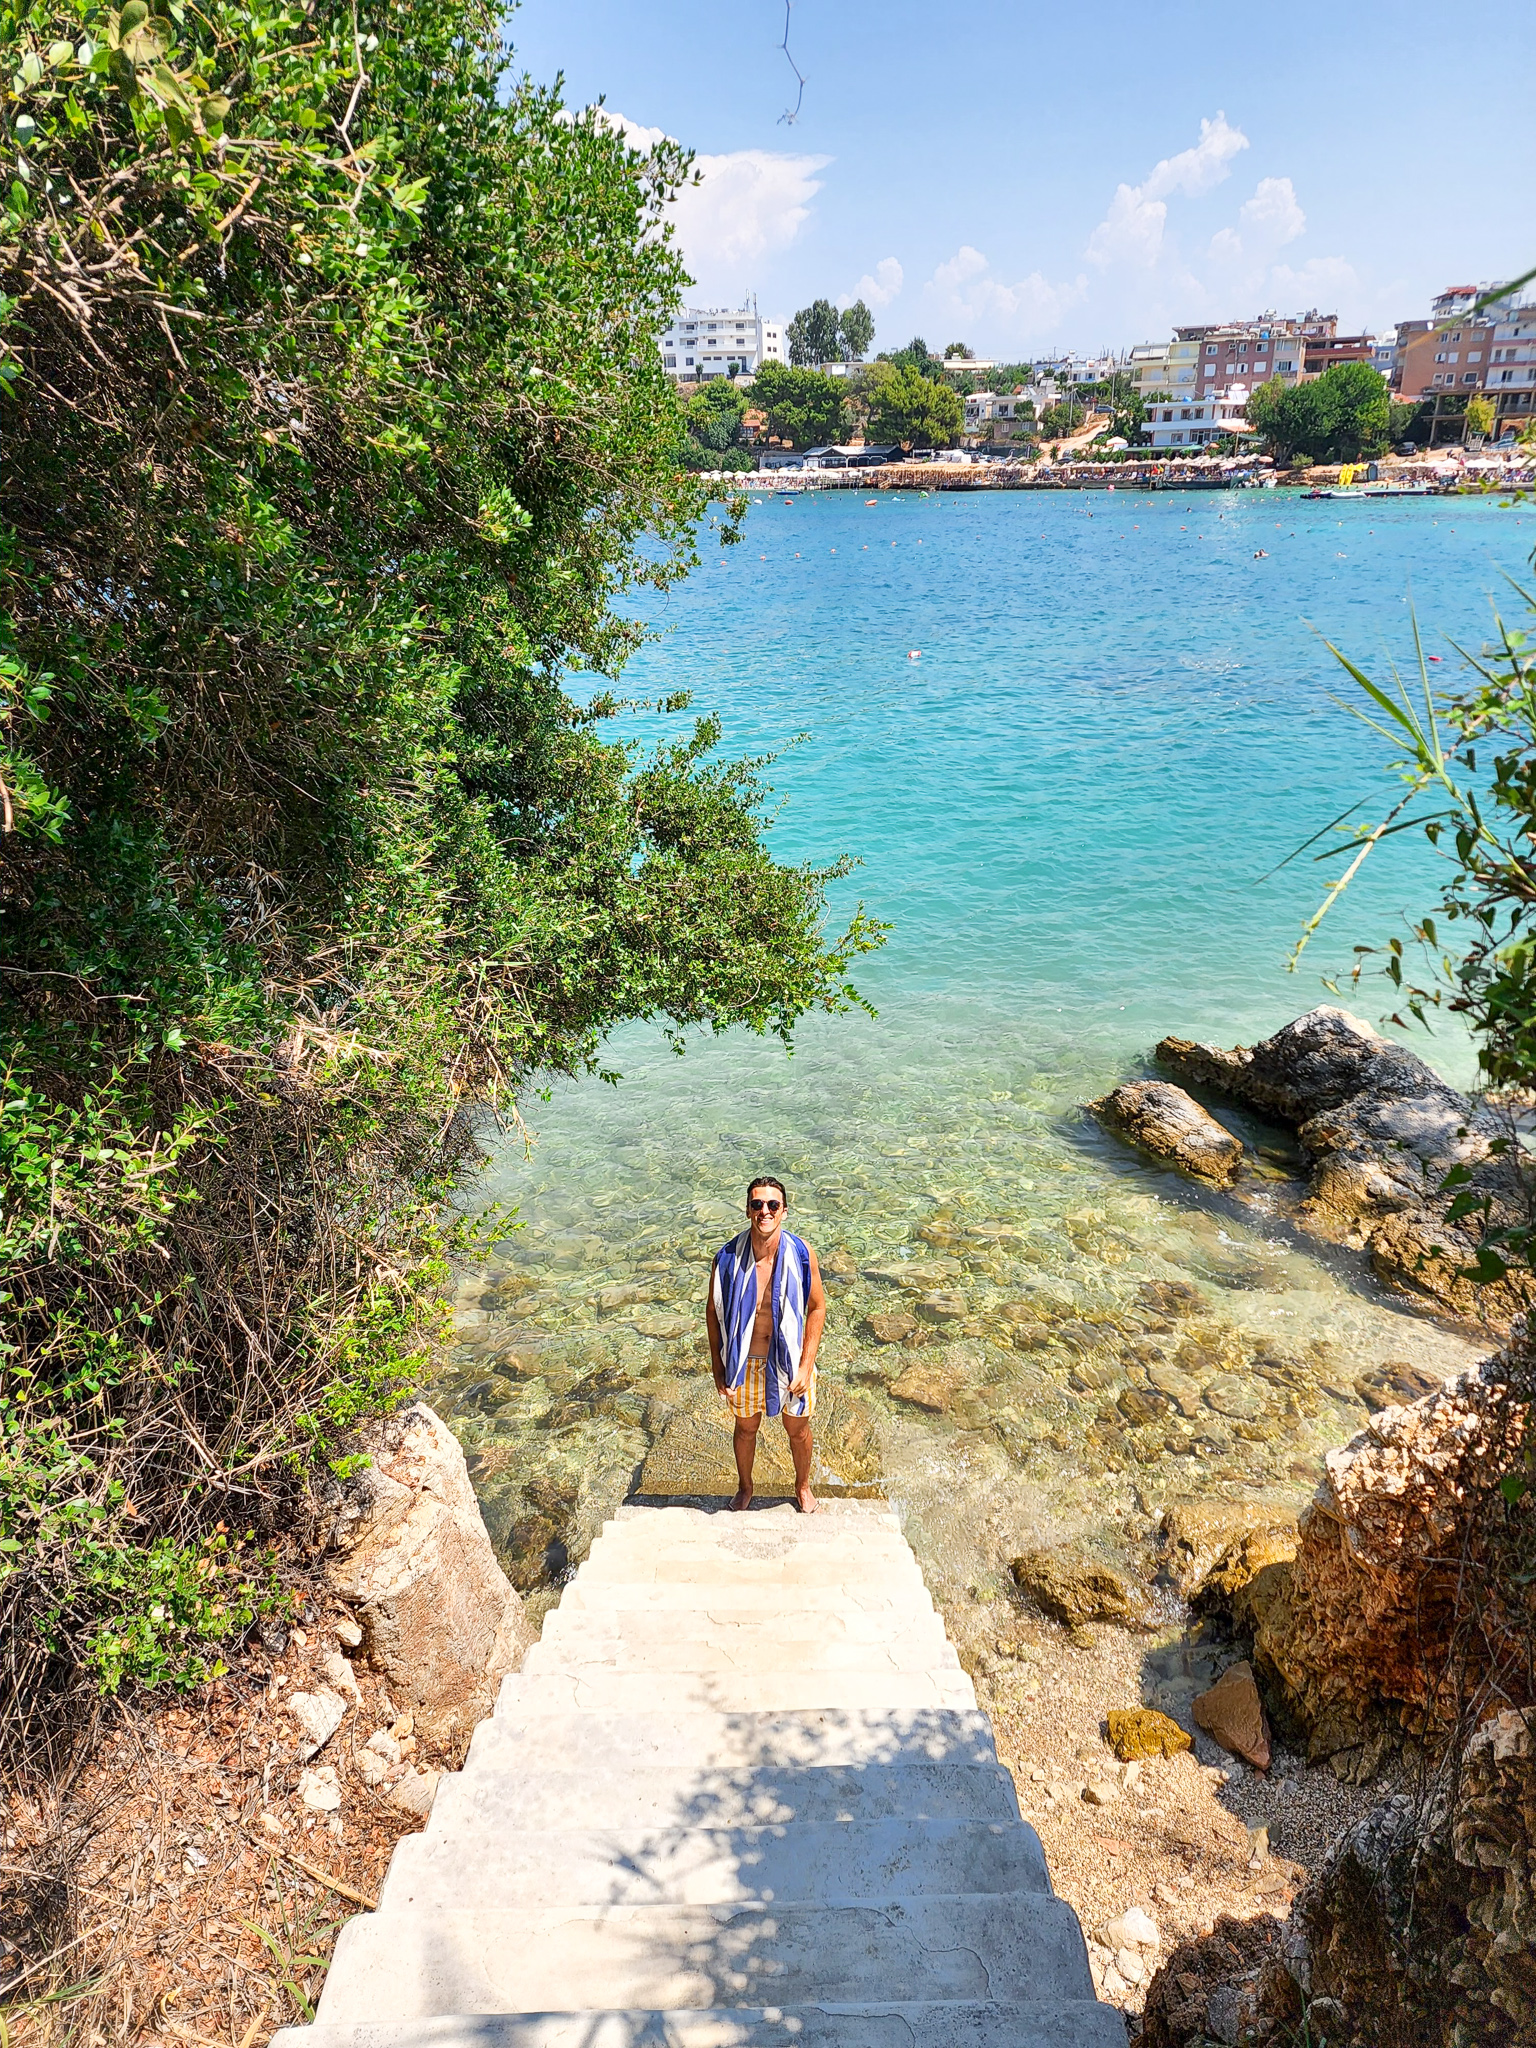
(1379, 1132)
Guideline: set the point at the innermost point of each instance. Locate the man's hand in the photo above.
(800, 1381)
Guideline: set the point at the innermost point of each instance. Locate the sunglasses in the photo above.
(773, 1208)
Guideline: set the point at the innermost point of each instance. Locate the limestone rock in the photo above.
(690, 1455)
(891, 1326)
(1134, 1929)
(1233, 1713)
(1356, 1642)
(947, 1305)
(412, 1560)
(1201, 1538)
(1170, 1125)
(1073, 1590)
(1379, 1131)
(1136, 1732)
(1419, 1926)
(415, 1792)
(1223, 1986)
(931, 1387)
(320, 1789)
(319, 1715)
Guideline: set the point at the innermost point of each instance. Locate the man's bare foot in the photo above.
(742, 1501)
(805, 1500)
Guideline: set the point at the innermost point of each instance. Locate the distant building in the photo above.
(718, 341)
(1323, 352)
(997, 416)
(1447, 358)
(1511, 376)
(1250, 352)
(1206, 419)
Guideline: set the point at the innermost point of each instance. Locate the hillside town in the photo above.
(1460, 378)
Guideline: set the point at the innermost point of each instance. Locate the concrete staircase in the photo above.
(739, 1795)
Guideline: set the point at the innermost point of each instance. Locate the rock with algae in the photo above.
(1162, 1120)
(690, 1456)
(1074, 1590)
(1139, 1732)
(1379, 1130)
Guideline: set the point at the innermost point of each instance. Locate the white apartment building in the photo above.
(1007, 415)
(1146, 368)
(721, 341)
(1511, 375)
(1191, 425)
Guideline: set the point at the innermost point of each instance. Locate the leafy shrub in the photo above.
(336, 435)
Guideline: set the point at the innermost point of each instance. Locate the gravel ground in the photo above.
(1182, 1840)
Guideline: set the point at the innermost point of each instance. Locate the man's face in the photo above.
(765, 1209)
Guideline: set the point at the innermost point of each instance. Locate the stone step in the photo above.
(820, 1863)
(631, 1539)
(774, 1514)
(626, 1796)
(684, 1525)
(738, 1650)
(634, 1565)
(598, 1596)
(1076, 2023)
(599, 1690)
(525, 1735)
(1022, 1946)
(741, 1625)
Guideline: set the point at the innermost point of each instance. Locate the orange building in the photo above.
(1447, 359)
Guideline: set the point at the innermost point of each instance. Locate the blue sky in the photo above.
(1032, 179)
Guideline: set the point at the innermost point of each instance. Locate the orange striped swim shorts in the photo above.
(751, 1397)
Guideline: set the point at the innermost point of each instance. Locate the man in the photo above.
(765, 1312)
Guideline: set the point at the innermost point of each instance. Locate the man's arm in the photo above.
(815, 1322)
(712, 1324)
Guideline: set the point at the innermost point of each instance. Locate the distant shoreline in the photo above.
(933, 476)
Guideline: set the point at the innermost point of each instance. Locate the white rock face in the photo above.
(320, 1789)
(415, 1792)
(439, 1618)
(1134, 1929)
(319, 1715)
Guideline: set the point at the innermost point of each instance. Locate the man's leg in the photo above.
(744, 1443)
(798, 1428)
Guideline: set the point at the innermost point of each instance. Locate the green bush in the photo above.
(336, 434)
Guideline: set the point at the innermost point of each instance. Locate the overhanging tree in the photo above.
(336, 434)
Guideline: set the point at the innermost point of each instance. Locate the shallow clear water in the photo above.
(1070, 806)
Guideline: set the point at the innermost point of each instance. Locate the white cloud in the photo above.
(877, 287)
(748, 202)
(1132, 230)
(1270, 219)
(1320, 279)
(964, 289)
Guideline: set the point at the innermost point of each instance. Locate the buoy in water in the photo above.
(915, 654)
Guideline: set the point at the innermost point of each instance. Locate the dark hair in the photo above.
(767, 1180)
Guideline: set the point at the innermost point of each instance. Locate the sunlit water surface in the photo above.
(1071, 737)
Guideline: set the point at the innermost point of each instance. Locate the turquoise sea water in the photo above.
(1070, 736)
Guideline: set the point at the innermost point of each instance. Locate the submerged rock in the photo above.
(1379, 1131)
(1171, 1126)
(691, 1455)
(892, 1326)
(933, 1387)
(1073, 1590)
